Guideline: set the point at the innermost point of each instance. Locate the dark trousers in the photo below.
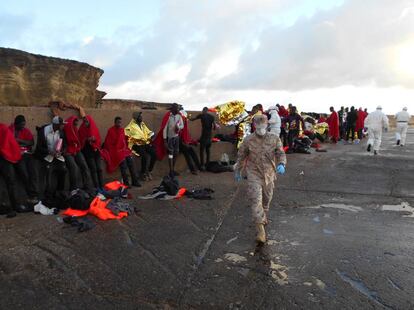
(128, 163)
(342, 131)
(144, 152)
(190, 157)
(283, 136)
(205, 148)
(350, 130)
(9, 176)
(93, 159)
(77, 164)
(26, 170)
(55, 174)
(292, 135)
(360, 134)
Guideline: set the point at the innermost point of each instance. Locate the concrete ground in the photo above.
(341, 236)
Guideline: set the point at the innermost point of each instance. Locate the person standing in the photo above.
(293, 123)
(207, 126)
(168, 137)
(10, 155)
(49, 148)
(275, 122)
(90, 140)
(140, 141)
(117, 154)
(75, 161)
(26, 167)
(376, 122)
(261, 155)
(360, 123)
(402, 118)
(351, 120)
(333, 123)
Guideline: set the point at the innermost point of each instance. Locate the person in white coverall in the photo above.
(274, 122)
(376, 122)
(402, 118)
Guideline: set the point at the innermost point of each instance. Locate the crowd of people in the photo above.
(73, 148)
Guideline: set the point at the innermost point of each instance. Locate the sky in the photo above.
(312, 53)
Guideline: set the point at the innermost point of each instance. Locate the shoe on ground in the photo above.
(136, 184)
(375, 153)
(401, 145)
(398, 142)
(369, 148)
(261, 234)
(11, 214)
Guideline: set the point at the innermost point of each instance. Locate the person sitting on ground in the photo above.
(90, 140)
(49, 148)
(10, 154)
(117, 154)
(140, 141)
(333, 123)
(26, 166)
(207, 126)
(168, 137)
(75, 161)
(293, 122)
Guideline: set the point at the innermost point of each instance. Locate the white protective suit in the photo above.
(274, 122)
(376, 122)
(402, 118)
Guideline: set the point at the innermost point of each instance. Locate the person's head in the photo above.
(174, 108)
(255, 109)
(58, 123)
(405, 109)
(86, 122)
(332, 109)
(342, 108)
(352, 108)
(346, 109)
(205, 110)
(365, 110)
(137, 116)
(278, 105)
(260, 123)
(118, 122)
(292, 110)
(259, 107)
(19, 122)
(290, 105)
(379, 108)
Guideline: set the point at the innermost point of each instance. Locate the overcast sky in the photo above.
(313, 53)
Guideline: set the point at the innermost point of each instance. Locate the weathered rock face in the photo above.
(34, 80)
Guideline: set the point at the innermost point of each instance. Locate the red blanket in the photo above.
(87, 132)
(333, 123)
(23, 134)
(9, 148)
(115, 148)
(72, 136)
(361, 119)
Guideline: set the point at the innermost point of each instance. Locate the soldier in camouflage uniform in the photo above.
(261, 155)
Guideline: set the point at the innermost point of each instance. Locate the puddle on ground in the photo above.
(279, 273)
(339, 206)
(403, 207)
(362, 288)
(234, 258)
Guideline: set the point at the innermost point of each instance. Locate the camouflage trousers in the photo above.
(259, 196)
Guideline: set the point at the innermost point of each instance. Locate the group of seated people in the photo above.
(74, 147)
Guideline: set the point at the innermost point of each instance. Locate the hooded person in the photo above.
(25, 167)
(140, 142)
(90, 140)
(74, 159)
(275, 121)
(117, 154)
(402, 118)
(333, 123)
(261, 157)
(360, 123)
(10, 154)
(167, 140)
(376, 122)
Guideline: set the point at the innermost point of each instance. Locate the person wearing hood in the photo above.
(9, 155)
(90, 140)
(402, 118)
(261, 157)
(75, 161)
(376, 122)
(275, 121)
(140, 142)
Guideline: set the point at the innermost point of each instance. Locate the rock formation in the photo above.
(34, 80)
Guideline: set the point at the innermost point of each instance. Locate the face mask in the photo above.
(261, 130)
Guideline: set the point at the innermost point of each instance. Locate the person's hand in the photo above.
(281, 169)
(237, 176)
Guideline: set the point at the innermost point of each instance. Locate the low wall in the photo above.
(36, 116)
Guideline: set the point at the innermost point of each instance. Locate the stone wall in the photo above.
(34, 80)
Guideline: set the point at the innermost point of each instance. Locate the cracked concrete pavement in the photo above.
(341, 236)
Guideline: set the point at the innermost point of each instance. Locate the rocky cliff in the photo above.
(34, 80)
